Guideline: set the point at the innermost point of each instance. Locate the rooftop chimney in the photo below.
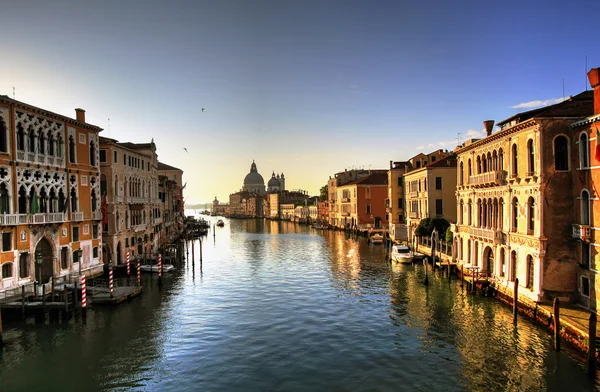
(391, 167)
(594, 78)
(488, 125)
(80, 115)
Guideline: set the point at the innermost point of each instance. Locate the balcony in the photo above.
(118, 199)
(96, 215)
(138, 228)
(136, 200)
(489, 235)
(492, 178)
(413, 195)
(345, 200)
(77, 216)
(42, 159)
(345, 213)
(581, 232)
(158, 221)
(413, 215)
(35, 219)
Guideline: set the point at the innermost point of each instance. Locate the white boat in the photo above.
(377, 239)
(401, 254)
(220, 223)
(154, 268)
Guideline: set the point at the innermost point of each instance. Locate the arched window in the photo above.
(52, 201)
(470, 213)
(584, 150)
(461, 174)
(51, 144)
(484, 166)
(4, 199)
(470, 173)
(501, 214)
(41, 142)
(475, 253)
(515, 161)
(461, 212)
(3, 136)
(513, 266)
(59, 146)
(495, 160)
(7, 270)
(530, 215)
(489, 162)
(502, 263)
(43, 202)
(61, 201)
(530, 272)
(31, 140)
(515, 214)
(24, 265)
(71, 149)
(585, 207)
(73, 200)
(102, 185)
(531, 155)
(92, 153)
(561, 153)
(478, 165)
(368, 208)
(117, 222)
(500, 159)
(94, 201)
(116, 185)
(469, 251)
(20, 137)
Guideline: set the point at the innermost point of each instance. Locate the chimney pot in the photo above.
(489, 126)
(594, 78)
(80, 115)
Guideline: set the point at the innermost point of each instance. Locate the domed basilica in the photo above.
(254, 182)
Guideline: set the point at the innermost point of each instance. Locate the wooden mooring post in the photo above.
(592, 344)
(556, 324)
(516, 300)
(23, 301)
(1, 337)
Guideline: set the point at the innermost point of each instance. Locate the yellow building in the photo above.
(49, 195)
(394, 203)
(430, 192)
(515, 203)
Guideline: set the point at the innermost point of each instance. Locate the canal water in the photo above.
(276, 306)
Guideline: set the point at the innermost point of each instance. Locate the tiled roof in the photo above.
(449, 161)
(372, 179)
(164, 166)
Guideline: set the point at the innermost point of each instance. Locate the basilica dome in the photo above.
(254, 182)
(273, 181)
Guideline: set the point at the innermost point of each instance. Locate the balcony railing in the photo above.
(136, 200)
(491, 235)
(413, 195)
(413, 215)
(138, 227)
(96, 215)
(344, 213)
(492, 178)
(118, 199)
(35, 219)
(77, 216)
(345, 200)
(28, 156)
(581, 232)
(158, 221)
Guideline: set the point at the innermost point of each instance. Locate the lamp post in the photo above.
(38, 262)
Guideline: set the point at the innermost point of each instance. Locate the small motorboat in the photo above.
(401, 254)
(319, 227)
(220, 223)
(154, 268)
(377, 239)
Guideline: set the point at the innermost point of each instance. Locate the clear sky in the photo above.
(306, 88)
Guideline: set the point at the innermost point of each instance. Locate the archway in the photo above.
(488, 260)
(105, 253)
(46, 271)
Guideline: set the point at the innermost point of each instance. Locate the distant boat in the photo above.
(220, 223)
(154, 268)
(377, 239)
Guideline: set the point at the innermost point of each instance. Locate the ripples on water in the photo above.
(276, 306)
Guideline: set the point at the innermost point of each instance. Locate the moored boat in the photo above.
(220, 223)
(377, 239)
(154, 268)
(401, 254)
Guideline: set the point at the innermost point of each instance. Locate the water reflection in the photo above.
(278, 306)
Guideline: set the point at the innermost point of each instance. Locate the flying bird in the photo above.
(202, 110)
(185, 149)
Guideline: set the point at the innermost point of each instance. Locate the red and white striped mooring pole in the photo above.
(83, 294)
(159, 268)
(110, 279)
(128, 265)
(139, 271)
